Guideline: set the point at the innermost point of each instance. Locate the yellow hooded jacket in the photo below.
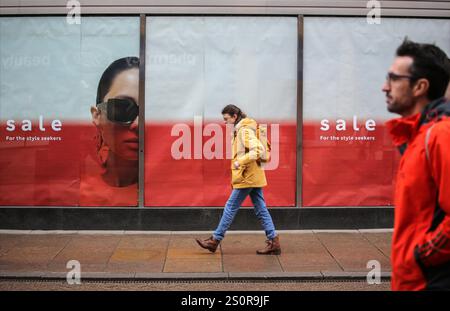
(247, 149)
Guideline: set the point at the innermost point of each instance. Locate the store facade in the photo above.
(159, 157)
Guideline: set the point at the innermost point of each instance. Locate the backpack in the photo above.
(439, 108)
(261, 135)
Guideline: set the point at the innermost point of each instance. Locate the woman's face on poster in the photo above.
(123, 140)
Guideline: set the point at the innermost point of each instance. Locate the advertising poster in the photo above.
(58, 146)
(348, 155)
(195, 66)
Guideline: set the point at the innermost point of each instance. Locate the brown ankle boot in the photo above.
(209, 244)
(272, 248)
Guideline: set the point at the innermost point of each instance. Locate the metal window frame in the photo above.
(142, 54)
(423, 8)
(299, 125)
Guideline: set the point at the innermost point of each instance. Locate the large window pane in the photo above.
(345, 63)
(195, 67)
(49, 76)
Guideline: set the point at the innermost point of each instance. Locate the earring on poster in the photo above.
(102, 148)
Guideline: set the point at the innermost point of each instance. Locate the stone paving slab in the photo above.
(353, 251)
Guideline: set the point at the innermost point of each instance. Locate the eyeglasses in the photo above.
(120, 110)
(395, 77)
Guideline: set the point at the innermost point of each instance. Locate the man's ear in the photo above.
(421, 87)
(447, 94)
(95, 113)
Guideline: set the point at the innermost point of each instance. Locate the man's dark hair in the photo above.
(429, 62)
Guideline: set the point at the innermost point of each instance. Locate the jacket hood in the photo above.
(435, 110)
(402, 130)
(246, 122)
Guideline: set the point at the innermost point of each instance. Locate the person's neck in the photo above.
(420, 105)
(120, 172)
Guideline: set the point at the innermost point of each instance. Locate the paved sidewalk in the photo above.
(171, 255)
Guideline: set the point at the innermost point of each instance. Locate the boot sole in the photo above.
(277, 252)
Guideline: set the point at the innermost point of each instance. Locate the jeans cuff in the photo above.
(271, 236)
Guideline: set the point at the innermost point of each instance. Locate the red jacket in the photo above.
(421, 240)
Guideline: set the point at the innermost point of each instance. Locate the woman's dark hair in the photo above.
(111, 72)
(234, 110)
(429, 62)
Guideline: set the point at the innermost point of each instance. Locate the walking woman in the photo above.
(247, 178)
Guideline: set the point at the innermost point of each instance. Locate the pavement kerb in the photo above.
(220, 276)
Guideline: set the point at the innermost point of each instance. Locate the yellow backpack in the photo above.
(261, 134)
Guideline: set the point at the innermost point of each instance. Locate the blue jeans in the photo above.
(234, 203)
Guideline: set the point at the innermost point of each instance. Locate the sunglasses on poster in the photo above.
(120, 110)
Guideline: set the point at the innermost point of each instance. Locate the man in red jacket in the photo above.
(415, 85)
